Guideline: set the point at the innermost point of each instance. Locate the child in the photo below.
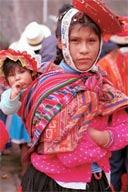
(73, 114)
(18, 70)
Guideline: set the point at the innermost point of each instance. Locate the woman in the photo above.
(73, 114)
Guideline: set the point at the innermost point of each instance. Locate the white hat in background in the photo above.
(31, 39)
(34, 34)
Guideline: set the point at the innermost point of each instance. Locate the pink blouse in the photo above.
(75, 166)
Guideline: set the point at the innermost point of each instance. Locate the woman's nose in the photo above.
(84, 48)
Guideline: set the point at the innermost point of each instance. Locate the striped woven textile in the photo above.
(52, 94)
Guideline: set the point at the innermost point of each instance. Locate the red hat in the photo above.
(98, 11)
(26, 59)
(122, 37)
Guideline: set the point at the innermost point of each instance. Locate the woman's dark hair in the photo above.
(81, 18)
(61, 13)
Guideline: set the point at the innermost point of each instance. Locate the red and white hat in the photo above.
(122, 37)
(26, 59)
(97, 10)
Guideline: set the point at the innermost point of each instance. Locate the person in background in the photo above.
(32, 37)
(48, 48)
(116, 65)
(3, 41)
(74, 116)
(107, 47)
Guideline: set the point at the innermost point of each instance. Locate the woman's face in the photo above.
(84, 45)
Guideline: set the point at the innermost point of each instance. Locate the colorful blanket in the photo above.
(59, 106)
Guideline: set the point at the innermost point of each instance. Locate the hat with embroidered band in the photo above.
(122, 37)
(98, 11)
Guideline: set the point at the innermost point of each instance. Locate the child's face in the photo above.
(21, 75)
(84, 46)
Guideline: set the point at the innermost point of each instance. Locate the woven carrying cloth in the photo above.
(59, 107)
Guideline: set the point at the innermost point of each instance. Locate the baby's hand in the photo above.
(100, 137)
(16, 88)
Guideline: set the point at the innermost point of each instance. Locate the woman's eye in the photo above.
(73, 40)
(92, 40)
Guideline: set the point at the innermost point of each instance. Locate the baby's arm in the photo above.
(96, 144)
(9, 105)
(115, 135)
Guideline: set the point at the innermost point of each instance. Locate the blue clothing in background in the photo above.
(17, 131)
